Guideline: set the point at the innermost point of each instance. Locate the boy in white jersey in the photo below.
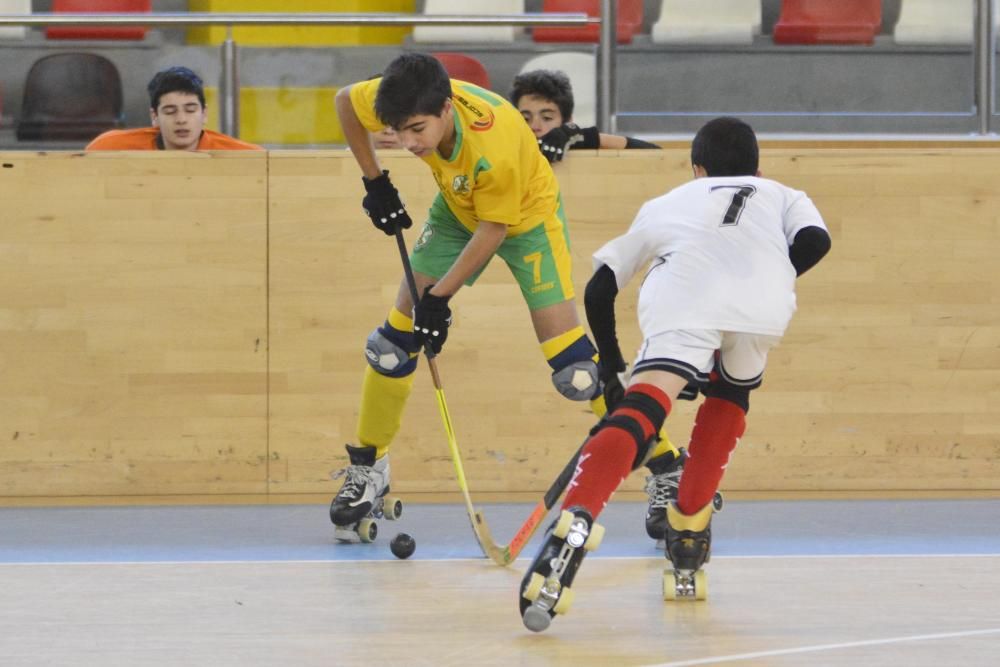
(498, 196)
(720, 256)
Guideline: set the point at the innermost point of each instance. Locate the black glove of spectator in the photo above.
(431, 319)
(383, 205)
(557, 141)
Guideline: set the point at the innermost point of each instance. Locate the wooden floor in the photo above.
(791, 583)
(762, 611)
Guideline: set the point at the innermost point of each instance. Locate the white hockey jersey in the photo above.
(717, 252)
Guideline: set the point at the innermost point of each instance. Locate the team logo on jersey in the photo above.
(484, 120)
(484, 123)
(460, 184)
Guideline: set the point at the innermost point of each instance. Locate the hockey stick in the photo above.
(479, 525)
(509, 553)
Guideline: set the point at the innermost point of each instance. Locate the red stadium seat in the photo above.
(99, 7)
(630, 13)
(465, 68)
(826, 22)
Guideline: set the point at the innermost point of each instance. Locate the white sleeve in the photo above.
(800, 213)
(631, 252)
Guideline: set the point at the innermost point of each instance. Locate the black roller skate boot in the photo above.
(661, 487)
(545, 589)
(362, 498)
(689, 546)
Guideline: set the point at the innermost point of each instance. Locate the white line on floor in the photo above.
(826, 647)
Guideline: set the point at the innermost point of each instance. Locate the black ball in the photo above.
(403, 546)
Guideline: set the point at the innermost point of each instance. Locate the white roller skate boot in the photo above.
(363, 497)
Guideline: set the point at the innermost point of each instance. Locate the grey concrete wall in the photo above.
(661, 90)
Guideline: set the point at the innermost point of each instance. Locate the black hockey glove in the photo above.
(557, 141)
(431, 319)
(383, 205)
(613, 378)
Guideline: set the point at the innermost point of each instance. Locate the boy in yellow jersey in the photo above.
(498, 196)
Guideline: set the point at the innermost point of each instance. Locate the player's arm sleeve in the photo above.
(810, 245)
(363, 102)
(599, 301)
(808, 238)
(632, 142)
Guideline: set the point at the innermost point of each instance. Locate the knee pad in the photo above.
(721, 388)
(650, 409)
(578, 381)
(391, 352)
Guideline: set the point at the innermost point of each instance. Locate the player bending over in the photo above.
(498, 196)
(720, 255)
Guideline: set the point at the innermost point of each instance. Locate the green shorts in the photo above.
(539, 258)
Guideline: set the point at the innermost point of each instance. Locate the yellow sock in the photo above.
(383, 399)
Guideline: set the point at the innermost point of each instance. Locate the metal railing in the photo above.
(229, 84)
(607, 108)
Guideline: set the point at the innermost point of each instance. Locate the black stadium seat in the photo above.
(70, 96)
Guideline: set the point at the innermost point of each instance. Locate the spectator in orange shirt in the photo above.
(177, 111)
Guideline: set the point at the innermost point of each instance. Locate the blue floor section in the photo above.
(304, 532)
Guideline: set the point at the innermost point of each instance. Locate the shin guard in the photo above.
(615, 446)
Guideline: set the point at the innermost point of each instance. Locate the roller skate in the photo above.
(689, 546)
(362, 499)
(661, 487)
(545, 589)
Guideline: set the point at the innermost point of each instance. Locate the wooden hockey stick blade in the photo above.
(505, 555)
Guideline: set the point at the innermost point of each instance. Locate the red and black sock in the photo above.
(717, 428)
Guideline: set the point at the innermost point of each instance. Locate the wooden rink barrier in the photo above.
(193, 325)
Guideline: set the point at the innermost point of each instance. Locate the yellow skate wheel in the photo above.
(564, 601)
(367, 530)
(393, 508)
(562, 526)
(534, 587)
(700, 585)
(595, 537)
(669, 587)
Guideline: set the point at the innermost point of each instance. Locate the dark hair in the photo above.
(413, 84)
(551, 85)
(726, 146)
(175, 80)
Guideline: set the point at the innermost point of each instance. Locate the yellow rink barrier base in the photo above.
(279, 35)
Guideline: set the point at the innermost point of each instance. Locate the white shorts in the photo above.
(691, 353)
